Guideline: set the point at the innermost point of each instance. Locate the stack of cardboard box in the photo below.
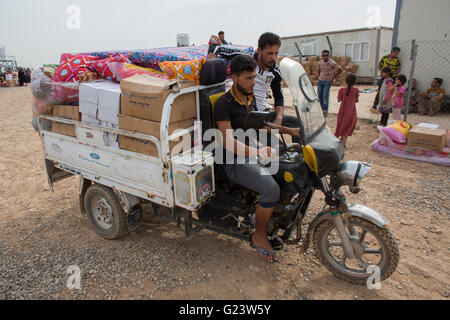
(142, 105)
(311, 63)
(135, 105)
(100, 105)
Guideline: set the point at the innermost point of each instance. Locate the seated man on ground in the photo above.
(431, 100)
(230, 112)
(413, 102)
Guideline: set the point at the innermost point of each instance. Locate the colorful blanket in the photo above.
(150, 58)
(74, 67)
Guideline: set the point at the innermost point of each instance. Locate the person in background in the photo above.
(384, 104)
(22, 76)
(346, 121)
(326, 69)
(398, 92)
(431, 100)
(392, 62)
(413, 101)
(215, 41)
(221, 35)
(27, 75)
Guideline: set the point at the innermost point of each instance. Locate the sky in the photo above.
(38, 31)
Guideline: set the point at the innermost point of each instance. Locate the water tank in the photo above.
(182, 40)
(2, 52)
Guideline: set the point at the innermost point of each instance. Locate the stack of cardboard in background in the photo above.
(142, 104)
(311, 63)
(100, 105)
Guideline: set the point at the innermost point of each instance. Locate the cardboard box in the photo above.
(66, 112)
(433, 139)
(352, 67)
(337, 59)
(63, 128)
(88, 108)
(345, 60)
(143, 97)
(307, 66)
(314, 67)
(88, 119)
(88, 91)
(109, 103)
(151, 128)
(149, 148)
(91, 95)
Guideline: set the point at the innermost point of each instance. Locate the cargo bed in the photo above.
(134, 174)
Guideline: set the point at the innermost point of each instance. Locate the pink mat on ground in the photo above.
(384, 144)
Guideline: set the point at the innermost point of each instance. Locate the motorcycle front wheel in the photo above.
(375, 251)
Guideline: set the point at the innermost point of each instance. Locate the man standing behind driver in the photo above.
(230, 112)
(268, 75)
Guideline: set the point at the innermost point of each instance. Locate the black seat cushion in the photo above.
(213, 71)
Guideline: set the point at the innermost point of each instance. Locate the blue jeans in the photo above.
(323, 88)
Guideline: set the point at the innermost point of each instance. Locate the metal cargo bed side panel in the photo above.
(133, 170)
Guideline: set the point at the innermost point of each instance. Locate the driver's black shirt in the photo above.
(227, 108)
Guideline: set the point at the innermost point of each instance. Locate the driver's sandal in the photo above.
(266, 252)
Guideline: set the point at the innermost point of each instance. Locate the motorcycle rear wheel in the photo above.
(363, 234)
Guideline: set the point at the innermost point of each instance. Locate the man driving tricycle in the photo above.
(230, 113)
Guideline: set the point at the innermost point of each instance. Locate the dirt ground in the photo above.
(43, 233)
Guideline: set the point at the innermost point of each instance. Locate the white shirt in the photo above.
(263, 80)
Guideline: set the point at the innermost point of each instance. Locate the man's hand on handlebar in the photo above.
(266, 153)
(294, 132)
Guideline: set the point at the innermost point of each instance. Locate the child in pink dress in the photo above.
(346, 122)
(397, 96)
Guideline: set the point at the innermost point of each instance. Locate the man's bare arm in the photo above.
(295, 132)
(278, 115)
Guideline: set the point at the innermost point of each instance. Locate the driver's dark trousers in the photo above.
(288, 121)
(250, 176)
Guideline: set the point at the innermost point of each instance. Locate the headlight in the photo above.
(350, 173)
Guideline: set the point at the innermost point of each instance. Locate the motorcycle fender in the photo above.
(366, 213)
(356, 210)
